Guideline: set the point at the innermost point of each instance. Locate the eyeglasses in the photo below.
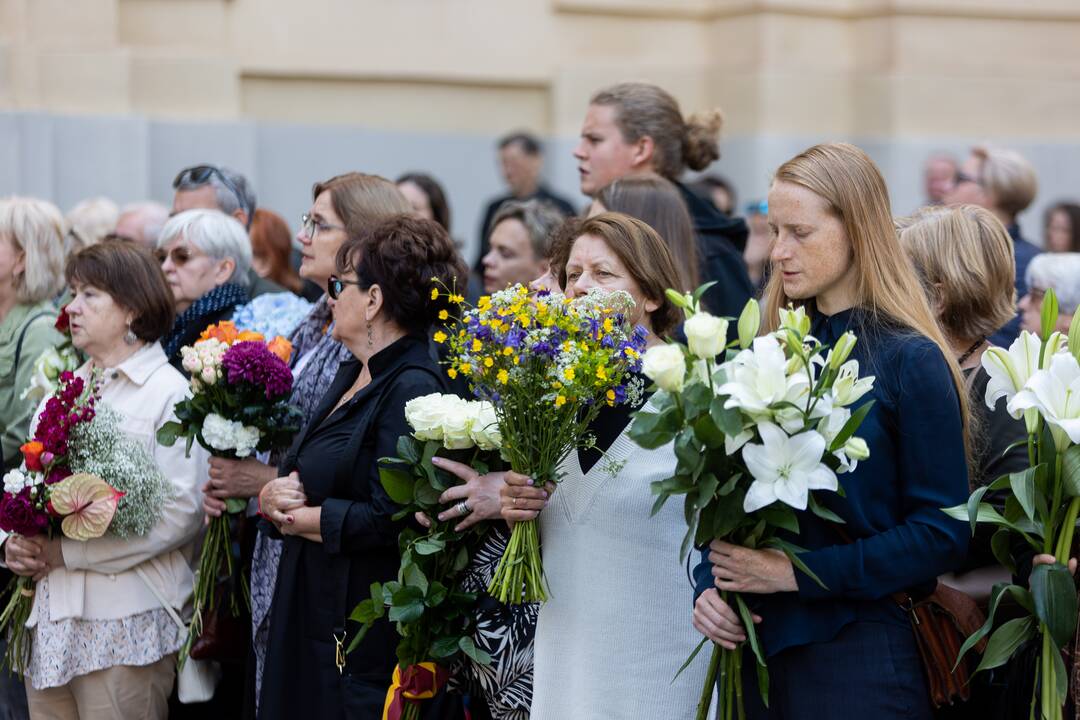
(335, 286)
(180, 256)
(201, 174)
(119, 237)
(963, 177)
(312, 226)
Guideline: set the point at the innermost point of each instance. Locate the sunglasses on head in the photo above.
(335, 286)
(201, 174)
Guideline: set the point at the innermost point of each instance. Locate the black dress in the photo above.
(318, 584)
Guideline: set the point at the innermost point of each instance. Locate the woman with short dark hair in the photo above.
(102, 643)
(331, 509)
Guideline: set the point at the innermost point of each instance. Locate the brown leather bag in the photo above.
(942, 621)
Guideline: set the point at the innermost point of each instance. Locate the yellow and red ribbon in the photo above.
(418, 682)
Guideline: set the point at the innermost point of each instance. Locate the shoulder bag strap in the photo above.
(161, 599)
(22, 336)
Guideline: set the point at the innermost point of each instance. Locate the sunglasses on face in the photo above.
(179, 256)
(335, 286)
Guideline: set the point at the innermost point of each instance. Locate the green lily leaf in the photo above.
(1070, 469)
(1054, 593)
(1005, 641)
(853, 423)
(1023, 488)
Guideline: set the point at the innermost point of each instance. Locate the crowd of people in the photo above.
(927, 294)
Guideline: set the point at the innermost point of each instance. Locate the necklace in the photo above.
(971, 351)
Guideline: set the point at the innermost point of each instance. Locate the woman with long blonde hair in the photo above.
(835, 253)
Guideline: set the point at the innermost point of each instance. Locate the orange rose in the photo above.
(32, 455)
(225, 331)
(249, 335)
(280, 347)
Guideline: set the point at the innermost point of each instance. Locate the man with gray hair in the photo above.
(213, 187)
(1057, 271)
(141, 223)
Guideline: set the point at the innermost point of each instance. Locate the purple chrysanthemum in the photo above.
(252, 362)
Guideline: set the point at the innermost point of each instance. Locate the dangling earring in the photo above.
(370, 338)
(130, 337)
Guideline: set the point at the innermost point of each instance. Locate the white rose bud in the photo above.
(706, 334)
(208, 375)
(665, 365)
(856, 449)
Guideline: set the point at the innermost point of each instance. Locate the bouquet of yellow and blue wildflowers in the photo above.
(547, 364)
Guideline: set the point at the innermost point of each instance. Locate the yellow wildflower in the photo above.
(560, 401)
(452, 373)
(439, 337)
(434, 293)
(488, 362)
(443, 315)
(503, 376)
(568, 373)
(508, 350)
(601, 373)
(465, 368)
(611, 398)
(608, 325)
(477, 345)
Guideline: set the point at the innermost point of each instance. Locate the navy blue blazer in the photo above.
(892, 508)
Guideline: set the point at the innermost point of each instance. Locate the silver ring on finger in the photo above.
(515, 499)
(463, 508)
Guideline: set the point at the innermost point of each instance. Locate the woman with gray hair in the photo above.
(1060, 271)
(205, 255)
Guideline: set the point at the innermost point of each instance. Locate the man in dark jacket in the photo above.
(521, 160)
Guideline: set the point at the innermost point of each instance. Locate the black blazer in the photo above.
(318, 584)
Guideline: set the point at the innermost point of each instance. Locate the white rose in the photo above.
(665, 365)
(457, 426)
(706, 335)
(427, 415)
(208, 375)
(223, 434)
(485, 427)
(190, 360)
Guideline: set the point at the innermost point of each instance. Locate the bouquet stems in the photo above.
(13, 619)
(520, 574)
(215, 560)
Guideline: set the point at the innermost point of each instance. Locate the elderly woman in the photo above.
(350, 203)
(205, 255)
(330, 505)
(103, 646)
(604, 555)
(1060, 271)
(31, 274)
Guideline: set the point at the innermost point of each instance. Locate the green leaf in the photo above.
(688, 452)
(1070, 469)
(1023, 488)
(653, 430)
(168, 433)
(853, 423)
(413, 576)
(358, 638)
(1054, 593)
(461, 559)
(1005, 641)
(367, 612)
(407, 613)
(763, 682)
(1001, 546)
(408, 449)
(436, 594)
(729, 486)
(707, 432)
(748, 626)
(398, 484)
(1060, 673)
(235, 505)
(696, 400)
(706, 490)
(996, 594)
(823, 512)
(469, 648)
(729, 420)
(792, 551)
(781, 516)
(694, 654)
(445, 647)
(429, 546)
(701, 290)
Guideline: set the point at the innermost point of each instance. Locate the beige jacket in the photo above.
(99, 582)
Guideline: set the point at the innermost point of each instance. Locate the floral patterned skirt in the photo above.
(64, 649)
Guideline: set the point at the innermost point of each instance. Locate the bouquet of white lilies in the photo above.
(755, 433)
(1040, 381)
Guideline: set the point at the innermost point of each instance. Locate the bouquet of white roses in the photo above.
(434, 617)
(754, 435)
(1039, 378)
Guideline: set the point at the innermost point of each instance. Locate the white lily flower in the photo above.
(848, 387)
(757, 377)
(785, 468)
(830, 427)
(1055, 393)
(1010, 370)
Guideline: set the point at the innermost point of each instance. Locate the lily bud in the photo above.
(1074, 336)
(749, 322)
(795, 319)
(840, 352)
(679, 300)
(856, 449)
(1049, 312)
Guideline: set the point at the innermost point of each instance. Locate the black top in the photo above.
(318, 584)
(606, 428)
(720, 243)
(1024, 252)
(542, 193)
(892, 508)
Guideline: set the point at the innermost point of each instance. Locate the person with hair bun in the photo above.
(329, 506)
(637, 128)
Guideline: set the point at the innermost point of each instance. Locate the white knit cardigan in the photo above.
(617, 625)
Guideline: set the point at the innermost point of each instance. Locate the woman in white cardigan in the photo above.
(612, 633)
(103, 646)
